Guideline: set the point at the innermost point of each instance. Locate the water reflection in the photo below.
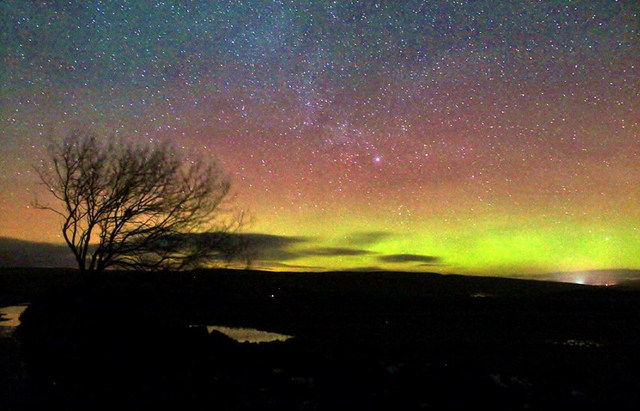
(10, 316)
(579, 343)
(251, 335)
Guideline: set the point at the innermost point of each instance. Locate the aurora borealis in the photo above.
(476, 137)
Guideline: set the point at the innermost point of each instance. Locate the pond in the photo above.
(251, 335)
(10, 316)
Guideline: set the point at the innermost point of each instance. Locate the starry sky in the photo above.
(475, 137)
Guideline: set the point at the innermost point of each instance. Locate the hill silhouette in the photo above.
(377, 340)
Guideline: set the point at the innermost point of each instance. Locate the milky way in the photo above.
(454, 136)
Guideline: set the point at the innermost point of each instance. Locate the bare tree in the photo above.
(137, 206)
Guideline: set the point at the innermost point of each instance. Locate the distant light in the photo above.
(596, 278)
(377, 159)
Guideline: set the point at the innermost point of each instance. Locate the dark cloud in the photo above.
(255, 246)
(258, 240)
(256, 249)
(269, 247)
(22, 253)
(365, 269)
(334, 252)
(410, 258)
(273, 264)
(366, 238)
(252, 246)
(272, 254)
(250, 240)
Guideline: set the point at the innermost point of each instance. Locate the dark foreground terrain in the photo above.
(362, 341)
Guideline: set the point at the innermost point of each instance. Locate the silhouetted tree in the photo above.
(137, 206)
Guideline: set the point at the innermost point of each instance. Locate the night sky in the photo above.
(476, 137)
